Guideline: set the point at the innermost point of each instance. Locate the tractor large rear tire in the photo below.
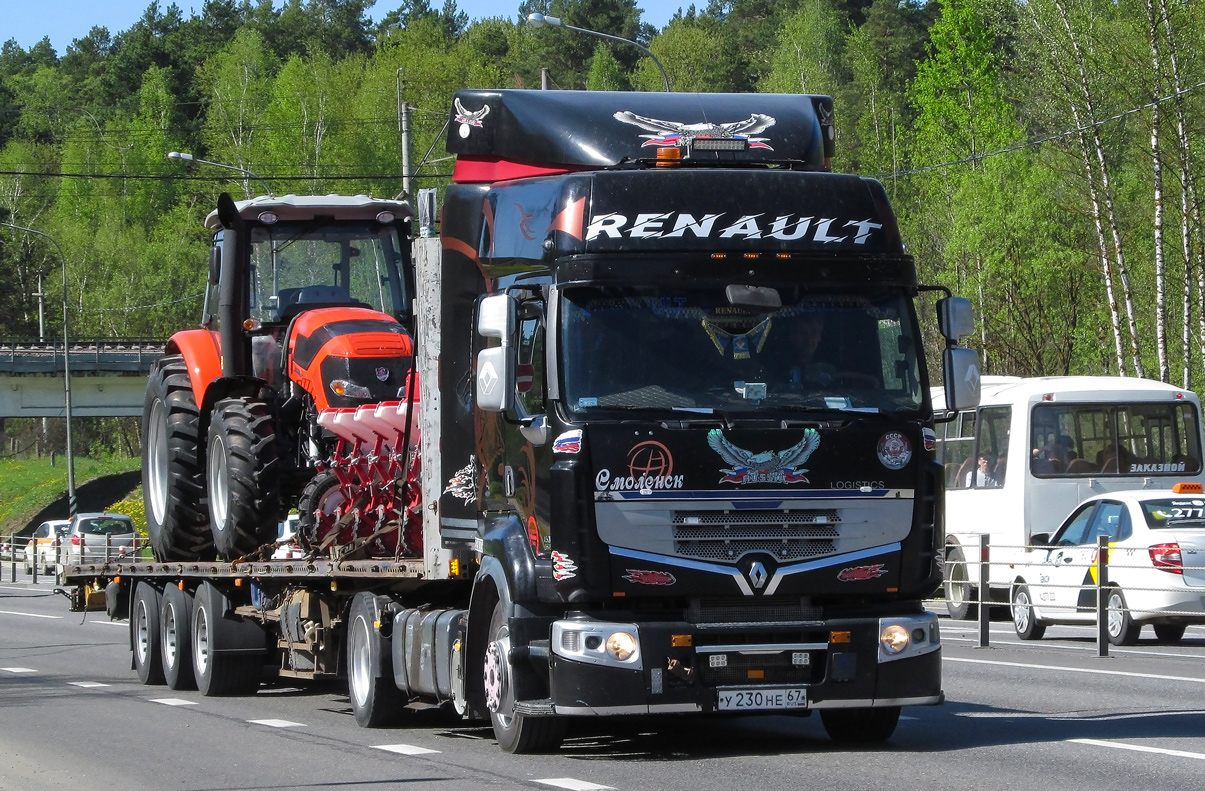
(177, 517)
(242, 472)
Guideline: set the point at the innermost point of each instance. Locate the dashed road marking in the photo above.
(1030, 666)
(278, 723)
(404, 749)
(573, 784)
(122, 624)
(87, 684)
(18, 669)
(31, 615)
(1139, 748)
(173, 701)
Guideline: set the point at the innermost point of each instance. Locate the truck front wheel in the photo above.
(242, 473)
(172, 475)
(860, 726)
(516, 733)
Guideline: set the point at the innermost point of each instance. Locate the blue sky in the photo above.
(63, 21)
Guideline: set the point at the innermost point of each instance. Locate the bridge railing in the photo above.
(87, 355)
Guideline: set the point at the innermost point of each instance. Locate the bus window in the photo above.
(957, 448)
(991, 443)
(1114, 439)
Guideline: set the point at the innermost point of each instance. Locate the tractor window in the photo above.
(296, 266)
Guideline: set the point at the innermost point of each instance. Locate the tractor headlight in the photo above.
(342, 387)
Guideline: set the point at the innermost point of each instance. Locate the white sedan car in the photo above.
(1156, 566)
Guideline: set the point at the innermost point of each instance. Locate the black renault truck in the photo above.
(677, 453)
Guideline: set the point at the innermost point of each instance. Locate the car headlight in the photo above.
(894, 639)
(622, 646)
(342, 387)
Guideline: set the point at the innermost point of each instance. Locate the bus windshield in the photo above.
(1114, 439)
(688, 348)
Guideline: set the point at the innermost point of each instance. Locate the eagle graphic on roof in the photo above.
(673, 133)
(770, 466)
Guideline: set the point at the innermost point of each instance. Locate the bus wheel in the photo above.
(961, 596)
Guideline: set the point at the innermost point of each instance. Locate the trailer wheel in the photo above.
(516, 733)
(144, 629)
(215, 671)
(860, 726)
(243, 477)
(961, 595)
(375, 700)
(176, 633)
(172, 469)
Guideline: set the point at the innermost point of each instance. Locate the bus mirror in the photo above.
(495, 378)
(496, 318)
(955, 317)
(961, 369)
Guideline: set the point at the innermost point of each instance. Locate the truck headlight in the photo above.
(622, 646)
(894, 639)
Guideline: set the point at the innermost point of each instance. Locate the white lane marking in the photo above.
(31, 614)
(1152, 651)
(18, 669)
(278, 723)
(122, 624)
(1151, 676)
(173, 701)
(87, 684)
(1140, 748)
(403, 749)
(572, 784)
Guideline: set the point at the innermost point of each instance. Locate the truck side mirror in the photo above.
(956, 318)
(496, 365)
(961, 369)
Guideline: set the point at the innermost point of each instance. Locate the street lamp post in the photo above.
(184, 157)
(539, 20)
(71, 503)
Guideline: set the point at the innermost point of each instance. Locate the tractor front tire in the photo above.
(172, 467)
(242, 472)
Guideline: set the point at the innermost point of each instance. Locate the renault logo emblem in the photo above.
(758, 575)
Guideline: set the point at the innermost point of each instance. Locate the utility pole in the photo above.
(544, 80)
(403, 128)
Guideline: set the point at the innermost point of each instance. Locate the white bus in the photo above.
(1035, 448)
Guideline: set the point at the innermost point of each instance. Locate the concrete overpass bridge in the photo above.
(108, 377)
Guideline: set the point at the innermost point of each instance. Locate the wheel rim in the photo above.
(142, 633)
(1021, 611)
(1116, 614)
(170, 640)
(218, 492)
(497, 682)
(200, 641)
(157, 461)
(959, 586)
(361, 661)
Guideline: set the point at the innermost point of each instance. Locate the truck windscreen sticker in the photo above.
(677, 134)
(469, 118)
(787, 227)
(770, 466)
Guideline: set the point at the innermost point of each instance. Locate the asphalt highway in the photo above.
(1046, 715)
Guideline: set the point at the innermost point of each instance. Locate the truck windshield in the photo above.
(311, 264)
(687, 348)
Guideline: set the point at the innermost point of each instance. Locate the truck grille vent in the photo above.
(728, 535)
(744, 611)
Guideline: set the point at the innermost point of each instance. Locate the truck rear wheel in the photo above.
(175, 631)
(172, 469)
(243, 476)
(516, 733)
(375, 700)
(860, 726)
(144, 630)
(216, 670)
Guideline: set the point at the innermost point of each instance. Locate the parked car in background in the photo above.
(8, 548)
(1156, 566)
(41, 547)
(92, 538)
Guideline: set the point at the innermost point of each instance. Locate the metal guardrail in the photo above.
(1102, 563)
(107, 355)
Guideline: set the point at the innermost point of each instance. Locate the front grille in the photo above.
(775, 669)
(745, 611)
(729, 535)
